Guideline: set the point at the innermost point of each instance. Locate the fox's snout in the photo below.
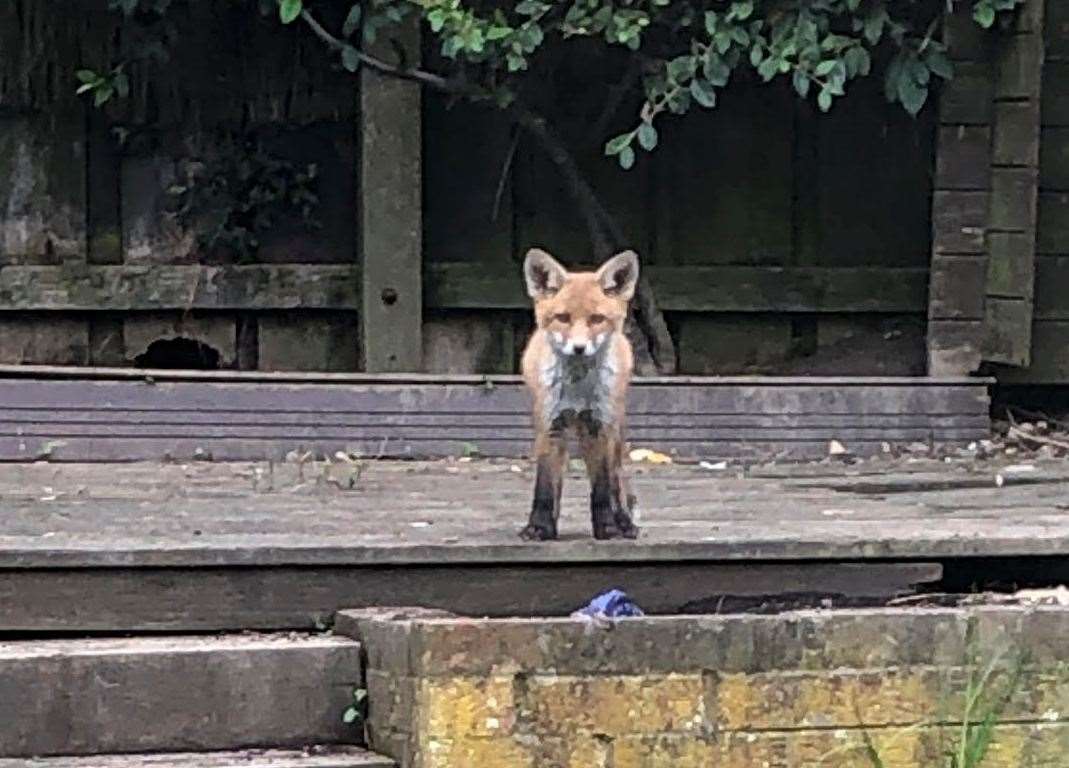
(576, 345)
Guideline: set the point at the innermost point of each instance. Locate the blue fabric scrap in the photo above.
(613, 604)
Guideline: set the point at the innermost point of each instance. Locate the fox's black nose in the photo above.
(580, 349)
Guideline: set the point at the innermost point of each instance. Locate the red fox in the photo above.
(577, 366)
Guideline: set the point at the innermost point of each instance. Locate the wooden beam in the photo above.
(121, 288)
(391, 226)
(1012, 223)
(447, 286)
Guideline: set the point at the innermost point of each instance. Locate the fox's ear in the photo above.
(543, 274)
(619, 275)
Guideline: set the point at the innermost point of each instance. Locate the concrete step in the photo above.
(325, 757)
(175, 694)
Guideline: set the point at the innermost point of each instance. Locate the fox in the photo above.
(577, 366)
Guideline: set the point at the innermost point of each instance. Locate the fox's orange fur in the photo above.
(578, 366)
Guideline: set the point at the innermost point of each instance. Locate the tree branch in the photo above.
(606, 237)
(411, 74)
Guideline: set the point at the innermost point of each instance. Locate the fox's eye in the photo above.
(563, 317)
(597, 319)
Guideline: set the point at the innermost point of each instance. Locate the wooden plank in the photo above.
(718, 214)
(179, 286)
(461, 186)
(1055, 100)
(954, 346)
(1020, 67)
(1011, 264)
(91, 373)
(707, 288)
(1054, 160)
(390, 219)
(104, 237)
(967, 99)
(290, 598)
(1004, 321)
(964, 38)
(97, 421)
(1013, 199)
(1016, 139)
(1056, 30)
(957, 287)
(963, 158)
(42, 201)
(1053, 227)
(1052, 288)
(1050, 356)
(959, 222)
(447, 286)
(873, 161)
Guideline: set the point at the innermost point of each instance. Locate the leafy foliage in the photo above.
(231, 199)
(687, 51)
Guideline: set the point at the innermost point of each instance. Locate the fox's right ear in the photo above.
(544, 275)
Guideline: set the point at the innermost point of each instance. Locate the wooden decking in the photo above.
(256, 545)
(124, 415)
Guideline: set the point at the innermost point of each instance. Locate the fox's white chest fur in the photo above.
(580, 385)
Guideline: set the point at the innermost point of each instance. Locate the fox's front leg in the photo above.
(610, 501)
(551, 456)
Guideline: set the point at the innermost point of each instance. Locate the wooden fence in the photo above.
(776, 239)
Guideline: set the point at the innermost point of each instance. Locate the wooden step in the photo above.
(189, 693)
(319, 757)
(124, 415)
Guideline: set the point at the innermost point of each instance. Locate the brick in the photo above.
(476, 753)
(825, 700)
(616, 705)
(664, 752)
(462, 707)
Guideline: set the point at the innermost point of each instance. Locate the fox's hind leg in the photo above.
(610, 501)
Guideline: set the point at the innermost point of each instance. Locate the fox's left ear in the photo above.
(619, 275)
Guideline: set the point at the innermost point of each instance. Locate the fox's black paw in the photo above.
(533, 532)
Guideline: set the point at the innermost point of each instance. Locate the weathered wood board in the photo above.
(206, 546)
(126, 420)
(451, 285)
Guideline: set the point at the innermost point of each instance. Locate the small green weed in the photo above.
(356, 713)
(989, 688)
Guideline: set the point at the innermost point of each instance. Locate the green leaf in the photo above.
(647, 136)
(627, 158)
(352, 21)
(984, 14)
(768, 68)
(617, 145)
(350, 716)
(497, 33)
(825, 67)
(939, 64)
(87, 75)
(350, 58)
(801, 83)
(756, 55)
(717, 71)
(681, 68)
(824, 100)
(741, 10)
(711, 20)
(911, 95)
(703, 92)
(289, 10)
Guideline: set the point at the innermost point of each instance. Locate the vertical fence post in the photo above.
(390, 215)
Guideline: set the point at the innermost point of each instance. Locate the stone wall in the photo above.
(795, 690)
